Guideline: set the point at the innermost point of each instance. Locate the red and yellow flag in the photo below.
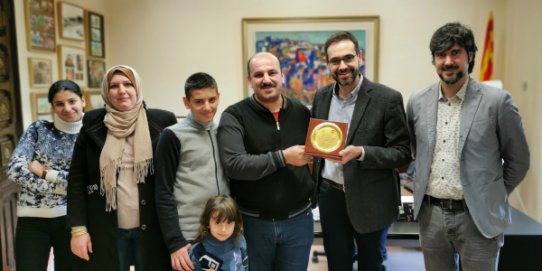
(487, 58)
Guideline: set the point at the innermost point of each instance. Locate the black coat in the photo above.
(87, 207)
(379, 125)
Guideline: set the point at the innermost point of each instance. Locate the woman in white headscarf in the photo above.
(111, 208)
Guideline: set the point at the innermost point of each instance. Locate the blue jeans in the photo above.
(282, 245)
(129, 248)
(340, 235)
(383, 240)
(448, 238)
(34, 238)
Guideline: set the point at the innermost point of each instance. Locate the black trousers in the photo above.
(339, 235)
(34, 238)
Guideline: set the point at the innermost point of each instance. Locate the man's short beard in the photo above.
(452, 81)
(349, 81)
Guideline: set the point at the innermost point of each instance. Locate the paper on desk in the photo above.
(407, 199)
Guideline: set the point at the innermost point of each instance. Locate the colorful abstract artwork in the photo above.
(299, 45)
(302, 59)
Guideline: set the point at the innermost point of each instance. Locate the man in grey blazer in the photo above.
(470, 152)
(358, 196)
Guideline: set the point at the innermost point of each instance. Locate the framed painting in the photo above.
(70, 20)
(299, 45)
(6, 149)
(96, 72)
(41, 108)
(95, 30)
(93, 99)
(40, 72)
(5, 108)
(40, 24)
(72, 64)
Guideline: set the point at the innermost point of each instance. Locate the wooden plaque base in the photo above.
(325, 138)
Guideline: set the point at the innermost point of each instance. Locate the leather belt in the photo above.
(451, 205)
(333, 184)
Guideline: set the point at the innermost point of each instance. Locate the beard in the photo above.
(450, 81)
(453, 80)
(346, 81)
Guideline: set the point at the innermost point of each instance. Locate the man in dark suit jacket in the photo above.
(358, 194)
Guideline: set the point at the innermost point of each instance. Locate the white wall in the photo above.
(523, 40)
(167, 40)
(189, 36)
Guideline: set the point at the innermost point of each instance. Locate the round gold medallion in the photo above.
(326, 137)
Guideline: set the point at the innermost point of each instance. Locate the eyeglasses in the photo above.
(336, 61)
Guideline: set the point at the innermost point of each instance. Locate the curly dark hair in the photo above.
(451, 34)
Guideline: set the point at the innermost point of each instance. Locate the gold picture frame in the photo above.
(95, 34)
(96, 72)
(41, 108)
(40, 72)
(5, 108)
(71, 21)
(40, 25)
(72, 64)
(93, 100)
(6, 149)
(298, 42)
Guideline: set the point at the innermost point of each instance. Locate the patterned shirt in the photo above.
(51, 144)
(445, 179)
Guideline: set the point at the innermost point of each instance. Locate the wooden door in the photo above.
(10, 130)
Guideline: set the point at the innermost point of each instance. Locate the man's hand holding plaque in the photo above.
(296, 156)
(325, 138)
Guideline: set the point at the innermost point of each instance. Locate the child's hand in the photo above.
(180, 259)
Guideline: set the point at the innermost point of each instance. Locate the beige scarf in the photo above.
(120, 125)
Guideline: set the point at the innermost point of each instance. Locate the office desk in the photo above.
(522, 241)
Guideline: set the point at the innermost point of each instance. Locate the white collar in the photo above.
(68, 127)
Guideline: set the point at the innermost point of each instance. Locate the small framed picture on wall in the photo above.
(40, 72)
(71, 21)
(6, 149)
(72, 64)
(95, 30)
(41, 108)
(40, 25)
(93, 99)
(96, 72)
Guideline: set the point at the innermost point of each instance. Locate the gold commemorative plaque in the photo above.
(325, 138)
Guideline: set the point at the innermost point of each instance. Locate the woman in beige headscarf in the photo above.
(110, 195)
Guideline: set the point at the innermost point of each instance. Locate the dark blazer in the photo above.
(379, 125)
(86, 206)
